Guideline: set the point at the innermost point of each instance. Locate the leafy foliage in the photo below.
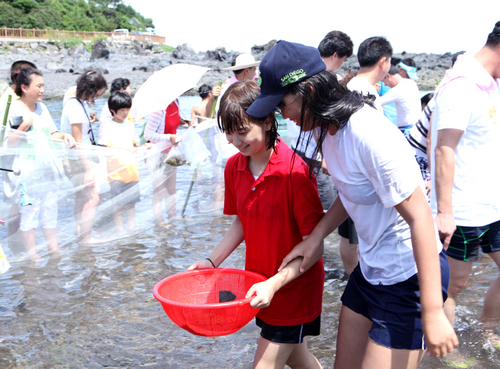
(77, 15)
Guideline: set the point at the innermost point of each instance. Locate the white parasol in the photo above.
(165, 86)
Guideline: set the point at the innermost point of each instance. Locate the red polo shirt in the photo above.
(276, 210)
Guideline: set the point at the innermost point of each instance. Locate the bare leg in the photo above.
(352, 339)
(170, 195)
(459, 274)
(159, 192)
(349, 255)
(88, 211)
(29, 243)
(118, 218)
(130, 209)
(14, 220)
(491, 309)
(381, 357)
(276, 355)
(50, 235)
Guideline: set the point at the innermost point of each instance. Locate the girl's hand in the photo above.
(148, 145)
(93, 118)
(201, 264)
(175, 139)
(69, 141)
(264, 292)
(439, 334)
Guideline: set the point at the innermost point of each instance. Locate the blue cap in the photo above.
(286, 63)
(412, 71)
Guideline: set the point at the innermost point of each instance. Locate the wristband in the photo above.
(211, 262)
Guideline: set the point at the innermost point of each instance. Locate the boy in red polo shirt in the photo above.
(276, 203)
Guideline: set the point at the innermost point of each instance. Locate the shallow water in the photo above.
(93, 307)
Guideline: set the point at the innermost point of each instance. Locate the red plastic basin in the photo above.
(191, 300)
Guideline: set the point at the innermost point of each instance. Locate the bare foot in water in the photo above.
(162, 225)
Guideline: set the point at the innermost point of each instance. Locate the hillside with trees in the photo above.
(71, 15)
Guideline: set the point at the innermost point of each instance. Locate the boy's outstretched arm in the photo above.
(311, 249)
(439, 334)
(230, 241)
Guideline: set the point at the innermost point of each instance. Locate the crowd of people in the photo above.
(410, 190)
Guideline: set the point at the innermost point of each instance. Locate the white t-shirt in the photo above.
(464, 105)
(374, 169)
(406, 98)
(362, 85)
(75, 112)
(40, 169)
(119, 135)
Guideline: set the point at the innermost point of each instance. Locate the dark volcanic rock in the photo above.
(184, 52)
(99, 50)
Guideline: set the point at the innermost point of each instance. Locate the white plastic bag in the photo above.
(190, 150)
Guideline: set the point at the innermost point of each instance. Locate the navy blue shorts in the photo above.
(394, 310)
(289, 333)
(348, 230)
(466, 241)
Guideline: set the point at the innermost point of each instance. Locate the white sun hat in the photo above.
(244, 61)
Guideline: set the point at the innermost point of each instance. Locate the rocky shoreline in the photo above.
(137, 60)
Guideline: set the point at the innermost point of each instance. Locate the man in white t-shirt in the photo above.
(374, 57)
(406, 97)
(465, 138)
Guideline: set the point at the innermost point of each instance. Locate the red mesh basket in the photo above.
(191, 300)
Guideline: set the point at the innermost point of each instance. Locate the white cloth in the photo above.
(406, 99)
(373, 168)
(121, 135)
(362, 85)
(470, 102)
(417, 137)
(75, 112)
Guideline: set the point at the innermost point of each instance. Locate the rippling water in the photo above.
(92, 306)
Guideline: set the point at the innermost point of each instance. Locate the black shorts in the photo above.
(394, 309)
(466, 241)
(348, 230)
(289, 333)
(125, 193)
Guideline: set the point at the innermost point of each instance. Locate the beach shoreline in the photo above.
(139, 60)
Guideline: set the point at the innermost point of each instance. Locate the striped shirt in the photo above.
(417, 136)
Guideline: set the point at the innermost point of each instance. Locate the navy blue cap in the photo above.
(286, 63)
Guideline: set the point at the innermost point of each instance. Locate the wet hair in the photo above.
(424, 100)
(336, 42)
(393, 70)
(494, 37)
(328, 103)
(17, 67)
(204, 90)
(372, 50)
(232, 116)
(25, 77)
(409, 62)
(119, 100)
(89, 83)
(455, 56)
(119, 84)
